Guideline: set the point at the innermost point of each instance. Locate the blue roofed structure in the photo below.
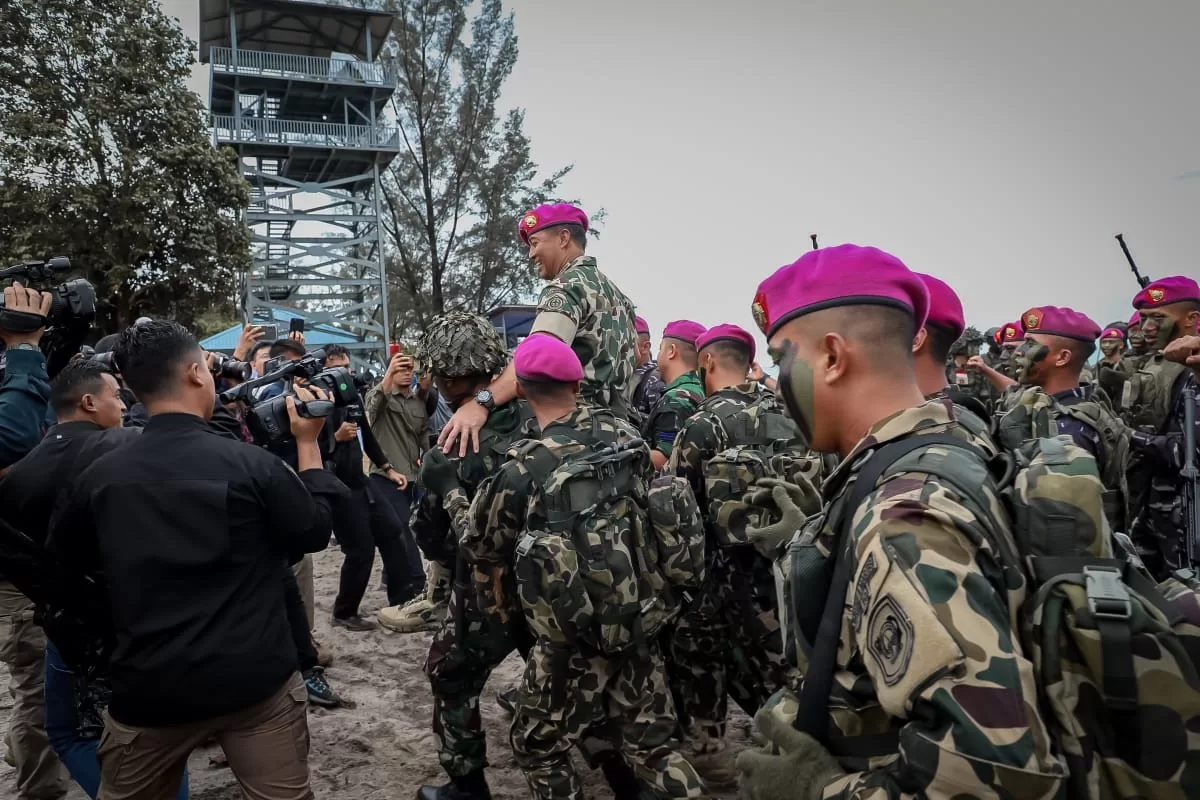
(314, 337)
(513, 323)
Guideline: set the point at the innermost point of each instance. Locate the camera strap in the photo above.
(20, 321)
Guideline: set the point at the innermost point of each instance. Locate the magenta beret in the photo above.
(542, 357)
(1011, 333)
(1136, 320)
(684, 330)
(641, 326)
(1113, 333)
(549, 215)
(1165, 291)
(846, 275)
(945, 309)
(1057, 321)
(726, 333)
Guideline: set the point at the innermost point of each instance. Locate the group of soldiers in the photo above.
(919, 679)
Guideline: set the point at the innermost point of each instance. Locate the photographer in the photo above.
(25, 391)
(367, 519)
(190, 530)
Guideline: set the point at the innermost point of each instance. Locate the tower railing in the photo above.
(227, 60)
(293, 133)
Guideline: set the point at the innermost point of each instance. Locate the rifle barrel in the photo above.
(1142, 280)
(1190, 475)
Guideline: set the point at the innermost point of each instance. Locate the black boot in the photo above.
(472, 786)
(622, 780)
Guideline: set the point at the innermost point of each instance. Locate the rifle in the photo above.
(1190, 475)
(813, 236)
(1141, 279)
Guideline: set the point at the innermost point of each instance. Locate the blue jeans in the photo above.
(77, 755)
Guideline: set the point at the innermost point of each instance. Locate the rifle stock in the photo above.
(1190, 475)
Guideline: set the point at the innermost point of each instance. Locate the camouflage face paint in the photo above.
(1157, 330)
(1110, 347)
(1026, 358)
(796, 387)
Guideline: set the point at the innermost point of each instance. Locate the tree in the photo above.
(105, 157)
(452, 198)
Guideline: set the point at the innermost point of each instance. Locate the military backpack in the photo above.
(593, 568)
(1115, 656)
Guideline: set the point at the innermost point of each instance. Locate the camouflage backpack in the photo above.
(592, 569)
(1115, 659)
(762, 444)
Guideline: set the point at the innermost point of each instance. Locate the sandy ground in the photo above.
(383, 748)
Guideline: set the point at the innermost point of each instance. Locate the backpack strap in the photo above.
(812, 716)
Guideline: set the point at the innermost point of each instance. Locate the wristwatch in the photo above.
(485, 399)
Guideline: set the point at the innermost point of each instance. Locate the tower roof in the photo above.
(300, 27)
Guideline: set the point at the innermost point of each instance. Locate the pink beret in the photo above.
(1011, 333)
(641, 326)
(1165, 291)
(726, 333)
(542, 357)
(1136, 320)
(945, 309)
(1057, 321)
(846, 275)
(684, 330)
(548, 215)
(1113, 333)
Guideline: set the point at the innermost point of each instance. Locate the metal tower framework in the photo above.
(296, 90)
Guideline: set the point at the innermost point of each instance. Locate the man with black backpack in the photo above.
(727, 641)
(901, 598)
(589, 579)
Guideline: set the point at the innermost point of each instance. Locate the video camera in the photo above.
(225, 367)
(268, 419)
(72, 309)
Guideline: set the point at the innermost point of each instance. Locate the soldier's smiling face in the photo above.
(547, 250)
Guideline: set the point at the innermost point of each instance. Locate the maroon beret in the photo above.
(726, 333)
(945, 309)
(1165, 291)
(542, 357)
(1057, 321)
(684, 330)
(549, 215)
(641, 326)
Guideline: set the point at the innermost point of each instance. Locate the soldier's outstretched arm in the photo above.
(929, 617)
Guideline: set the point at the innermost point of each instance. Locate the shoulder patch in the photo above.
(554, 301)
(862, 591)
(890, 639)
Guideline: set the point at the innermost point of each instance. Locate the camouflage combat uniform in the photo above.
(469, 644)
(679, 401)
(583, 308)
(1151, 403)
(565, 690)
(930, 654)
(727, 642)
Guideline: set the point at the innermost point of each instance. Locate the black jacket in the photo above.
(191, 529)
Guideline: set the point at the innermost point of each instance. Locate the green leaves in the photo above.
(105, 157)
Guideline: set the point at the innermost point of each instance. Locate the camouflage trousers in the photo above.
(727, 643)
(465, 650)
(565, 691)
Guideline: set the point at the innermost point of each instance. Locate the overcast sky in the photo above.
(998, 146)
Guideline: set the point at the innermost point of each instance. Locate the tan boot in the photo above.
(424, 613)
(711, 757)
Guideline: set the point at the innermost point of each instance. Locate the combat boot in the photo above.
(472, 786)
(424, 613)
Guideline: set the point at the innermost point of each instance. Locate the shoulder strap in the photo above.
(812, 716)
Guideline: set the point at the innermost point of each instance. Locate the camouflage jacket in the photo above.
(499, 510)
(977, 428)
(977, 385)
(438, 523)
(583, 308)
(679, 401)
(929, 643)
(648, 388)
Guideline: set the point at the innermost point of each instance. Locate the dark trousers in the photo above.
(367, 520)
(297, 619)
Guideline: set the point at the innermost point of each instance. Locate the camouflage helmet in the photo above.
(457, 344)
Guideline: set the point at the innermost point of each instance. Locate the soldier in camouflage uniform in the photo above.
(1151, 403)
(648, 384)
(683, 393)
(580, 307)
(1058, 342)
(566, 688)
(931, 688)
(462, 352)
(727, 641)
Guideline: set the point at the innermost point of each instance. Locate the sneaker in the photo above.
(355, 623)
(424, 613)
(319, 691)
